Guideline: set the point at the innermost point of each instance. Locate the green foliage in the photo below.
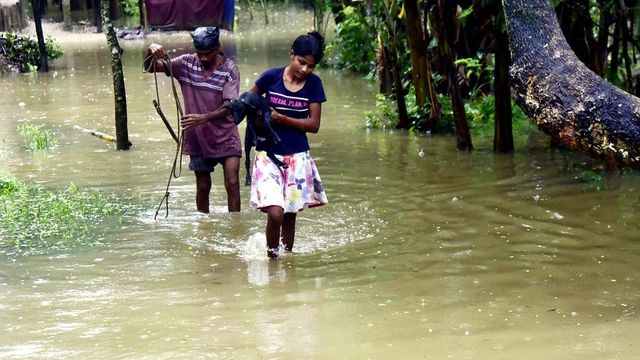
(35, 219)
(8, 186)
(481, 72)
(385, 115)
(39, 139)
(130, 7)
(353, 45)
(23, 51)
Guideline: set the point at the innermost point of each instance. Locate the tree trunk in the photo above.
(394, 67)
(66, 14)
(559, 93)
(420, 68)
(142, 11)
(36, 6)
(97, 17)
(383, 70)
(122, 134)
(503, 132)
(445, 22)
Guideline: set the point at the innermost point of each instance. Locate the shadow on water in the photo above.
(422, 252)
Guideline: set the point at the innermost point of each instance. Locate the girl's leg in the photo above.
(203, 188)
(288, 230)
(274, 223)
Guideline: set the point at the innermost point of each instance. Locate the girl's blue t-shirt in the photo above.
(291, 104)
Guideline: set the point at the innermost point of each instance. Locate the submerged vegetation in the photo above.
(35, 219)
(39, 138)
(22, 51)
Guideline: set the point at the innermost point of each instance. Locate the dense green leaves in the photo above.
(353, 47)
(23, 51)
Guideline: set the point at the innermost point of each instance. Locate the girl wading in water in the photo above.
(296, 95)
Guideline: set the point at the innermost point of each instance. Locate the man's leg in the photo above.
(288, 230)
(231, 167)
(203, 188)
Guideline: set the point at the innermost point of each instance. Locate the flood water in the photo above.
(422, 253)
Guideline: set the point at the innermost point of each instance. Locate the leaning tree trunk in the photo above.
(568, 101)
(122, 133)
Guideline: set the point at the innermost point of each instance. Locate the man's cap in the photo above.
(206, 38)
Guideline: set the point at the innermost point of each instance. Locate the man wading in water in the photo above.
(208, 80)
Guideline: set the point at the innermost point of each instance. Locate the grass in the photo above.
(39, 138)
(35, 219)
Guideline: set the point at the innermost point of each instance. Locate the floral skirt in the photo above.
(294, 189)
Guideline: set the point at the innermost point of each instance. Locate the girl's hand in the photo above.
(276, 117)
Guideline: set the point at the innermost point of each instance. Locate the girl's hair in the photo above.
(310, 44)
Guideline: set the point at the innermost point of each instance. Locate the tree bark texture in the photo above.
(120, 96)
(12, 17)
(567, 101)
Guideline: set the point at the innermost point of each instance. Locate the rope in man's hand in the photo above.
(177, 160)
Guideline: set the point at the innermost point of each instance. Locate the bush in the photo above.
(353, 45)
(23, 51)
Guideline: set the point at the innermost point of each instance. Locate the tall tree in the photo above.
(119, 93)
(572, 104)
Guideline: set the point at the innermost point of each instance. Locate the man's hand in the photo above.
(190, 120)
(157, 51)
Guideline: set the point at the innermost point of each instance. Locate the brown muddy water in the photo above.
(422, 253)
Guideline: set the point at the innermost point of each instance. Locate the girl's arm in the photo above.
(254, 89)
(310, 124)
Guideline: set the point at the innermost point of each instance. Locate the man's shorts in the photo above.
(204, 164)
